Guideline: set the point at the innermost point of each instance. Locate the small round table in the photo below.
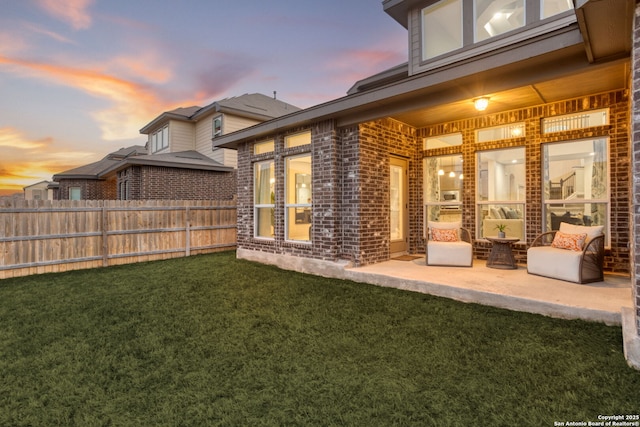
(501, 255)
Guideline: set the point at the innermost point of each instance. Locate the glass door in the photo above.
(398, 209)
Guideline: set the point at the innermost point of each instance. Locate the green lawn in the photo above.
(211, 340)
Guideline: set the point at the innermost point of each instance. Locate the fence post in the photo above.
(187, 229)
(105, 237)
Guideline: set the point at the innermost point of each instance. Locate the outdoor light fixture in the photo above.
(481, 104)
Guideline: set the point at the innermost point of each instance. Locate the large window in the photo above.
(160, 139)
(441, 28)
(501, 192)
(495, 17)
(298, 198)
(443, 188)
(264, 199)
(576, 183)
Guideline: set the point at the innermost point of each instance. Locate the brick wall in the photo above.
(617, 258)
(163, 183)
(90, 189)
(635, 155)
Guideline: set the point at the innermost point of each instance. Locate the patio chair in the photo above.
(576, 255)
(448, 244)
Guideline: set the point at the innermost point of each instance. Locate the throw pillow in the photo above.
(574, 242)
(444, 235)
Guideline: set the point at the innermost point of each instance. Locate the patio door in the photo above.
(398, 205)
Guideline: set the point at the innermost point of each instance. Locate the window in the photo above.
(554, 7)
(160, 139)
(75, 193)
(576, 183)
(495, 17)
(500, 194)
(297, 140)
(298, 198)
(264, 199)
(443, 188)
(575, 121)
(217, 126)
(263, 147)
(443, 141)
(441, 28)
(514, 130)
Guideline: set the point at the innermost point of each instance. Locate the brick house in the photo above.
(178, 161)
(517, 112)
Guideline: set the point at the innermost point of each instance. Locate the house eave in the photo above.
(407, 93)
(160, 163)
(161, 119)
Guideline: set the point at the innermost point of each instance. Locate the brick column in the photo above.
(631, 318)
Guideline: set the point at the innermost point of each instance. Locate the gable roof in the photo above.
(92, 170)
(254, 106)
(190, 159)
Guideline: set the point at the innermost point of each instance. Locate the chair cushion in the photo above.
(449, 253)
(444, 234)
(552, 262)
(592, 231)
(573, 242)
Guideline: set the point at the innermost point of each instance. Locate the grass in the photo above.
(211, 340)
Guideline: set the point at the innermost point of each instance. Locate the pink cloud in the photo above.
(73, 12)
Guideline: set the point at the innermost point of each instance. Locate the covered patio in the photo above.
(511, 289)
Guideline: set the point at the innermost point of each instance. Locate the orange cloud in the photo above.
(26, 161)
(132, 104)
(73, 12)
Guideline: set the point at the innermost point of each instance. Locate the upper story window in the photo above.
(160, 139)
(447, 25)
(441, 28)
(217, 126)
(495, 17)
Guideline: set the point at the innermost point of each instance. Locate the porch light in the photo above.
(481, 104)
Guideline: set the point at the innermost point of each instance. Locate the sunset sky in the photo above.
(80, 78)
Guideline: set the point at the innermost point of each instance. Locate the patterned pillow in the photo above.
(444, 234)
(574, 242)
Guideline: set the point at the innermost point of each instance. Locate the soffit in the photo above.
(595, 80)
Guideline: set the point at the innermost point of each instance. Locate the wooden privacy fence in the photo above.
(53, 236)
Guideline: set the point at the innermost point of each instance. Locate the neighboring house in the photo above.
(178, 161)
(516, 110)
(38, 191)
(87, 182)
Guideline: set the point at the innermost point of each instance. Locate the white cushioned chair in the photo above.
(448, 244)
(570, 257)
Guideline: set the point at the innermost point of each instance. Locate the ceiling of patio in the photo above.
(597, 80)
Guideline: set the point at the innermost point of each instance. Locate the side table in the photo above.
(501, 255)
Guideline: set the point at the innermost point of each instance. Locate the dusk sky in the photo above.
(80, 78)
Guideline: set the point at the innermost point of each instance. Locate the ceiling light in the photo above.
(481, 104)
(452, 174)
(441, 172)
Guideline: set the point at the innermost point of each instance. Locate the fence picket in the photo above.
(55, 236)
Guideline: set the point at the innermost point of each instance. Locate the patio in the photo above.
(510, 289)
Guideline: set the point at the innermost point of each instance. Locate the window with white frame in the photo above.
(160, 139)
(443, 188)
(440, 141)
(298, 139)
(298, 198)
(217, 126)
(263, 147)
(264, 199)
(495, 17)
(554, 7)
(583, 120)
(496, 133)
(500, 193)
(441, 28)
(576, 183)
(75, 193)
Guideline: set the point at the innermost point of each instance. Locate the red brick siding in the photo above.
(90, 189)
(635, 155)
